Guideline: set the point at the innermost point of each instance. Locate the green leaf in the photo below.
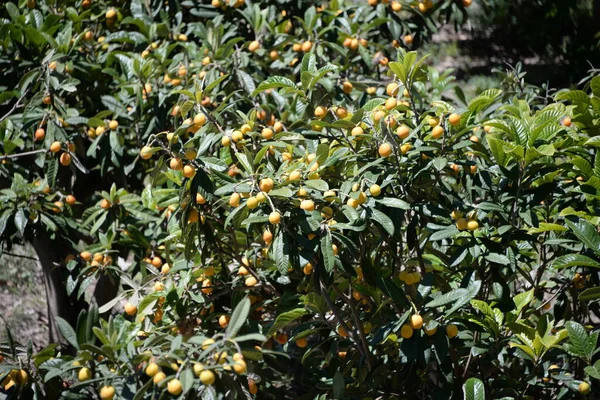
(585, 232)
(338, 385)
(593, 371)
(20, 221)
(383, 220)
(214, 84)
(238, 317)
(497, 258)
(579, 343)
(274, 82)
(449, 232)
(187, 380)
(279, 253)
(327, 251)
(575, 260)
(286, 318)
(394, 203)
(522, 300)
(67, 332)
(590, 294)
(458, 296)
(473, 389)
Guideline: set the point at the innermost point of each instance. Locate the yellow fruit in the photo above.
(130, 309)
(347, 87)
(406, 331)
(302, 343)
(113, 125)
(252, 203)
(223, 321)
(207, 377)
(329, 195)
(146, 152)
(451, 331)
(392, 89)
(461, 224)
(267, 134)
(282, 338)
(405, 148)
(174, 387)
(199, 119)
(357, 131)
(65, 159)
(430, 332)
(266, 185)
(306, 46)
(456, 215)
(403, 131)
(454, 119)
(250, 281)
(408, 39)
(40, 134)
(391, 103)
(377, 115)
(236, 136)
(354, 203)
(107, 392)
(306, 205)
(567, 122)
(207, 343)
(584, 388)
(341, 331)
(385, 150)
(274, 218)
(253, 46)
(341, 112)
(416, 321)
(472, 225)
(239, 366)
(320, 112)
(158, 377)
(375, 190)
(189, 171)
(165, 269)
(234, 199)
(176, 164)
(437, 132)
(55, 147)
(225, 141)
(84, 374)
(308, 269)
(110, 14)
(152, 369)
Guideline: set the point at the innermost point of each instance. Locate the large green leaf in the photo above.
(585, 232)
(575, 260)
(473, 389)
(238, 317)
(286, 318)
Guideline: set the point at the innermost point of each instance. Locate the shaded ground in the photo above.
(23, 298)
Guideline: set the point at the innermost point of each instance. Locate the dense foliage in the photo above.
(293, 203)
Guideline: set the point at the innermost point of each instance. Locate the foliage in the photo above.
(292, 209)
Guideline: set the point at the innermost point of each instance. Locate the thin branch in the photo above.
(27, 153)
(20, 256)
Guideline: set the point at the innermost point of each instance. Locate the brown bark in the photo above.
(50, 253)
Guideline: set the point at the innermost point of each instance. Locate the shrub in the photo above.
(322, 221)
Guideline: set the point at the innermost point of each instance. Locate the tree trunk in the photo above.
(50, 254)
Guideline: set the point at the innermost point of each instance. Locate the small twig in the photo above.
(27, 153)
(20, 256)
(17, 105)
